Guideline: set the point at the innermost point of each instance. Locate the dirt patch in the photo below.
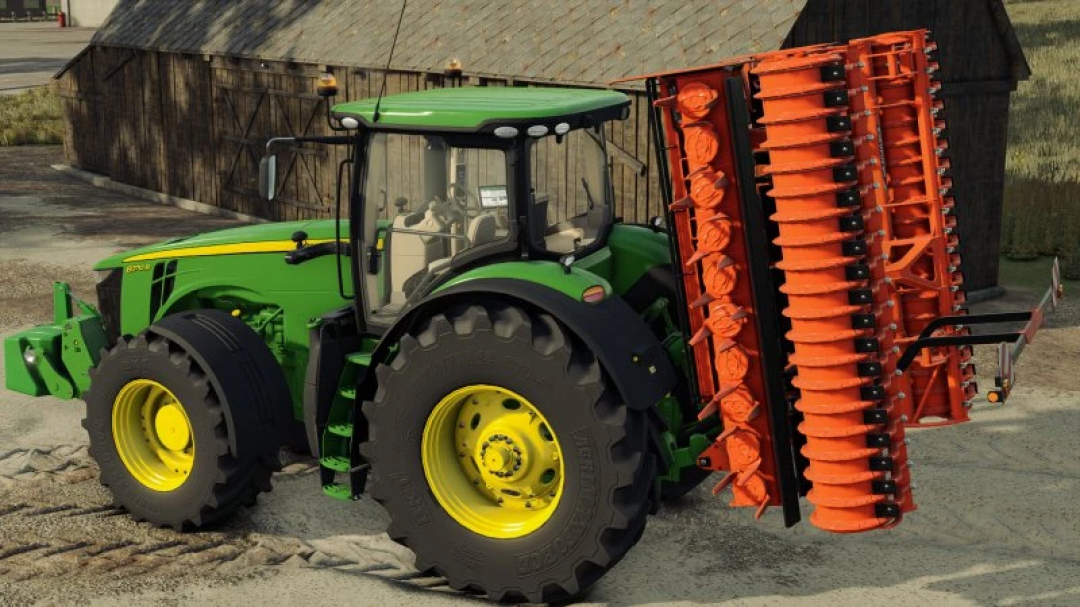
(57, 522)
(28, 289)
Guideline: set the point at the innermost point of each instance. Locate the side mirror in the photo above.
(268, 177)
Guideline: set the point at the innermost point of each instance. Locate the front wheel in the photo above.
(158, 411)
(506, 462)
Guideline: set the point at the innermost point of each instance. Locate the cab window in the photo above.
(571, 193)
(427, 201)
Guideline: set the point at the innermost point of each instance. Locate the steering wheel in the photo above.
(446, 210)
(464, 198)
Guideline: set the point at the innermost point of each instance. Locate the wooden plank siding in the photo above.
(194, 126)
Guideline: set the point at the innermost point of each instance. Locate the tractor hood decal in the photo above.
(259, 238)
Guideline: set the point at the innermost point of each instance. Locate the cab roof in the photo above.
(473, 108)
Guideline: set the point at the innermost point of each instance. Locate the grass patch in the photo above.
(33, 117)
(1033, 275)
(1042, 189)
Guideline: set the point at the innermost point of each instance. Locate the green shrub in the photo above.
(33, 117)
(1042, 178)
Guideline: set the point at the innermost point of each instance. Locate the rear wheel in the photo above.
(503, 457)
(159, 431)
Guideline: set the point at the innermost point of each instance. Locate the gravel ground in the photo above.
(997, 497)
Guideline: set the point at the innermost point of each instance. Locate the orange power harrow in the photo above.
(840, 147)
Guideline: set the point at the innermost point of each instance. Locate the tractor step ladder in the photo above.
(337, 438)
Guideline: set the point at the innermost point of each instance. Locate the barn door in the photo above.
(250, 108)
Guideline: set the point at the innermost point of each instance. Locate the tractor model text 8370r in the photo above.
(517, 376)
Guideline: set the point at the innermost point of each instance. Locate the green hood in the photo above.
(264, 238)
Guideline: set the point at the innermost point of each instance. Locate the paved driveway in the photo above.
(30, 53)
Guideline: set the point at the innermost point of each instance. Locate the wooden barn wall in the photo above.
(977, 134)
(977, 74)
(195, 127)
(971, 48)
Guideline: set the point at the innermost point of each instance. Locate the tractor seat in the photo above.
(482, 229)
(563, 241)
(412, 252)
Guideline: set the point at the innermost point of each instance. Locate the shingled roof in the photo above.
(576, 42)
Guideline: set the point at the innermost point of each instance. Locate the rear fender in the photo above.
(617, 336)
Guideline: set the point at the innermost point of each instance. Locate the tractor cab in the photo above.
(453, 178)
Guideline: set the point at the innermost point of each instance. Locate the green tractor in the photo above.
(481, 347)
(484, 348)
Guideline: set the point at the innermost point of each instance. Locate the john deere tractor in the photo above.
(516, 375)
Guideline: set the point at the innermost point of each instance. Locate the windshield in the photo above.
(427, 202)
(571, 194)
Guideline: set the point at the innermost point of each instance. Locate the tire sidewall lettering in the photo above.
(584, 509)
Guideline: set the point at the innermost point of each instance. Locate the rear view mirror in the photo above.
(268, 177)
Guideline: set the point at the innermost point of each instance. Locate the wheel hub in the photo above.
(502, 456)
(153, 435)
(171, 426)
(492, 461)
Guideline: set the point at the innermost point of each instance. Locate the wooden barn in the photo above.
(180, 98)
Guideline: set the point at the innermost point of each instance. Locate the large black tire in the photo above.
(609, 468)
(220, 480)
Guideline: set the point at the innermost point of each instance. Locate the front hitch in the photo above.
(55, 359)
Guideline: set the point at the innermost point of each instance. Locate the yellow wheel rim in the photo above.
(153, 435)
(492, 461)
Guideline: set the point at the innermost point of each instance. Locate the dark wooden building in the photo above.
(179, 98)
(981, 63)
